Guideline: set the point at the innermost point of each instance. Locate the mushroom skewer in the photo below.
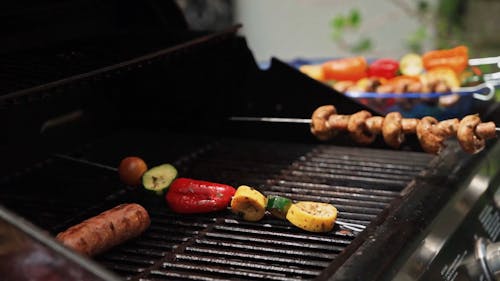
(363, 127)
(470, 131)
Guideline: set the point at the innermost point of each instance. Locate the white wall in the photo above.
(289, 29)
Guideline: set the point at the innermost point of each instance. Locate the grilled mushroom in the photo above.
(430, 141)
(392, 129)
(466, 134)
(358, 129)
(319, 122)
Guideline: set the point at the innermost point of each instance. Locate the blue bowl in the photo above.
(442, 106)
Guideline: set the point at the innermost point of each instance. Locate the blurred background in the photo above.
(336, 28)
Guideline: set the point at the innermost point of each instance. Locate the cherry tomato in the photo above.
(383, 68)
(456, 58)
(131, 170)
(351, 69)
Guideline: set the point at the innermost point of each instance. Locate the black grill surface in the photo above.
(360, 182)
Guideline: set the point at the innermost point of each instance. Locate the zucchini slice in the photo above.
(159, 178)
(278, 206)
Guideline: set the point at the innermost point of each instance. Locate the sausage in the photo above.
(106, 230)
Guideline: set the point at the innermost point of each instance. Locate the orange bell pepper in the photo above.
(351, 69)
(456, 58)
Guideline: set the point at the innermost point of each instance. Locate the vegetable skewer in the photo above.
(248, 202)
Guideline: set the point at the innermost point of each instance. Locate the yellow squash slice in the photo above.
(249, 203)
(312, 216)
(411, 65)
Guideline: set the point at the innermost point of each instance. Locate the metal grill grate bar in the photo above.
(243, 264)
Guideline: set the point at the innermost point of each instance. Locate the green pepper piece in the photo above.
(278, 206)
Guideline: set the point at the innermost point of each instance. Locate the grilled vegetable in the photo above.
(131, 170)
(159, 178)
(278, 206)
(411, 65)
(471, 77)
(383, 68)
(442, 73)
(189, 196)
(249, 203)
(312, 216)
(351, 69)
(457, 58)
(313, 71)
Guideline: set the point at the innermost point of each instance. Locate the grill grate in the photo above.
(361, 183)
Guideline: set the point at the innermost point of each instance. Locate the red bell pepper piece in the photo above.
(189, 196)
(383, 68)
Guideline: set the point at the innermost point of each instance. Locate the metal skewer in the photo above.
(351, 226)
(270, 119)
(83, 161)
(282, 120)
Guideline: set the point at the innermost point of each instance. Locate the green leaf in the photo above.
(421, 33)
(338, 22)
(363, 45)
(337, 34)
(415, 40)
(355, 18)
(423, 6)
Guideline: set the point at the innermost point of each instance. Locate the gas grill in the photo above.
(76, 103)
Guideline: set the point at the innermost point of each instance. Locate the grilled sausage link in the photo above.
(363, 128)
(106, 230)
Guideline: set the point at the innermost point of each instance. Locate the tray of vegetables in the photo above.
(439, 83)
